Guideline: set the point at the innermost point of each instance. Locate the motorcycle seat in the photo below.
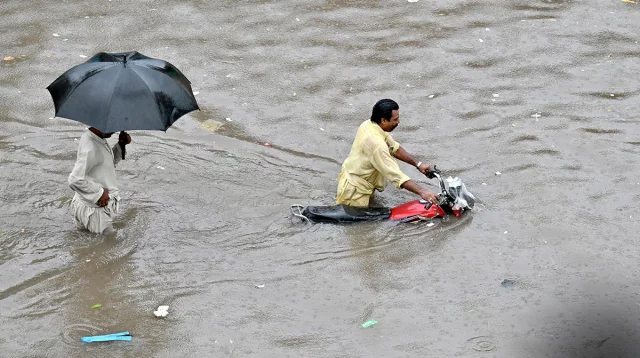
(345, 214)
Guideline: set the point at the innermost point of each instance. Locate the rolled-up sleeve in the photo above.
(388, 167)
(392, 144)
(117, 154)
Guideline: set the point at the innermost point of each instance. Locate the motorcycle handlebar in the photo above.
(431, 173)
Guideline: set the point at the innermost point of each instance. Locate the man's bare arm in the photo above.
(408, 158)
(417, 189)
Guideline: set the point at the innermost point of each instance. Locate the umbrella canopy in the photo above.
(115, 92)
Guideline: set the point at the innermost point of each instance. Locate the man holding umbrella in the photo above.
(94, 180)
(114, 92)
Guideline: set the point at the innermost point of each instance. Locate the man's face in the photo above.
(389, 125)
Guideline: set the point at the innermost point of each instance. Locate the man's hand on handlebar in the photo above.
(424, 168)
(430, 197)
(430, 172)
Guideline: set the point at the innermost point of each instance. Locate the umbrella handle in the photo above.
(123, 146)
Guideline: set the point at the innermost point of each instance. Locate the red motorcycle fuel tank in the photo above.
(418, 209)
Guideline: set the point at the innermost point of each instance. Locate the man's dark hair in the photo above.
(383, 109)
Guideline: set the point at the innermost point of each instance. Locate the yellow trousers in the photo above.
(349, 194)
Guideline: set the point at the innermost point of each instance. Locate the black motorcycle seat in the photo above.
(345, 214)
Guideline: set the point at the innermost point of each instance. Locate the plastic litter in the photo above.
(498, 173)
(369, 323)
(121, 336)
(162, 311)
(56, 35)
(96, 306)
(267, 144)
(196, 93)
(430, 224)
(9, 58)
(260, 285)
(412, 0)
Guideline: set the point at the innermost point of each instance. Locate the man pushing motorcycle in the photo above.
(371, 162)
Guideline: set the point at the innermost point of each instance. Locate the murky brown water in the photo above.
(546, 92)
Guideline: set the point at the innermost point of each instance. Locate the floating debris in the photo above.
(96, 306)
(211, 125)
(9, 58)
(159, 167)
(56, 35)
(430, 224)
(162, 311)
(122, 336)
(369, 323)
(508, 283)
(260, 285)
(498, 173)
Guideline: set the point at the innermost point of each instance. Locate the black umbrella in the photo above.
(115, 92)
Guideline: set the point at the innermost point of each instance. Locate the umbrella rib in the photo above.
(149, 88)
(109, 103)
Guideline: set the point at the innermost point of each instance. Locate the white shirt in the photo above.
(95, 169)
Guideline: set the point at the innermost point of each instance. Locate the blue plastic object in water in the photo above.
(122, 336)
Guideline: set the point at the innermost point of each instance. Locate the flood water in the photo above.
(544, 92)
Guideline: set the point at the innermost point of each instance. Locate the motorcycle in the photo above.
(455, 199)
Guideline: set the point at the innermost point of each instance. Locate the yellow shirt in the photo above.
(371, 163)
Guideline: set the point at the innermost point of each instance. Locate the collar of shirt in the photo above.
(100, 140)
